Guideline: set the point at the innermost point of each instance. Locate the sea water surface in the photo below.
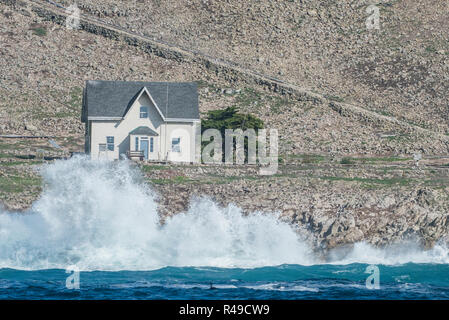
(409, 281)
(101, 219)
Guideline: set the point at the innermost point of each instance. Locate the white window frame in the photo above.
(176, 147)
(110, 144)
(143, 114)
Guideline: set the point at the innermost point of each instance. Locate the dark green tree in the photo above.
(230, 118)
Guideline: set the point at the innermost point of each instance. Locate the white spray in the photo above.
(99, 215)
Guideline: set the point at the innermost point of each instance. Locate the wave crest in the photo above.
(100, 215)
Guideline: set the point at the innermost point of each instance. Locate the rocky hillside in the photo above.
(42, 89)
(400, 69)
(345, 175)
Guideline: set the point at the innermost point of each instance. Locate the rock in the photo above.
(30, 127)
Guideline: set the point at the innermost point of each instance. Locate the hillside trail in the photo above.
(245, 74)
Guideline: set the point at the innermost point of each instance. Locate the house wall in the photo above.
(99, 131)
(122, 142)
(185, 131)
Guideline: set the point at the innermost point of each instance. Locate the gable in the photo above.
(144, 98)
(112, 99)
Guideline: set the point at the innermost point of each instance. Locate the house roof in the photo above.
(112, 99)
(144, 131)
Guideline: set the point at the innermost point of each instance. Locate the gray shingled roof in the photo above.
(114, 98)
(144, 131)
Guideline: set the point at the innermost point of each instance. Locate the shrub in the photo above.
(346, 160)
(40, 31)
(230, 118)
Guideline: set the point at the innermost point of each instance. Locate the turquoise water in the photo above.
(99, 217)
(408, 281)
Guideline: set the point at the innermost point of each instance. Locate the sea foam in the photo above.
(100, 215)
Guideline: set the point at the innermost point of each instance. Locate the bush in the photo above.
(40, 31)
(230, 118)
(346, 160)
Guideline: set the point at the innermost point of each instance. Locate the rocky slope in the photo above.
(41, 92)
(400, 69)
(333, 204)
(322, 46)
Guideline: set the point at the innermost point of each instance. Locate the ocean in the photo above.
(95, 234)
(408, 281)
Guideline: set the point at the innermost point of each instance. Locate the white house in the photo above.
(154, 121)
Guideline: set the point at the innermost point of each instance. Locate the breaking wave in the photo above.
(99, 215)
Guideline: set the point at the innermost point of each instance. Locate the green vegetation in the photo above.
(39, 31)
(334, 98)
(346, 160)
(202, 84)
(384, 159)
(374, 183)
(73, 106)
(16, 183)
(316, 159)
(203, 180)
(12, 163)
(431, 49)
(65, 108)
(174, 180)
(277, 104)
(249, 97)
(18, 163)
(399, 138)
(76, 96)
(6, 146)
(371, 181)
(230, 118)
(349, 160)
(148, 168)
(298, 23)
(308, 158)
(219, 179)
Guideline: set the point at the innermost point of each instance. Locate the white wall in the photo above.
(185, 131)
(120, 131)
(99, 131)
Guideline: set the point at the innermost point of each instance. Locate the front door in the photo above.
(144, 148)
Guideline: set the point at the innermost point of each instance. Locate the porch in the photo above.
(144, 144)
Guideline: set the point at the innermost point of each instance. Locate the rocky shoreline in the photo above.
(332, 206)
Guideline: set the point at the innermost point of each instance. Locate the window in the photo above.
(137, 144)
(151, 144)
(102, 147)
(110, 143)
(144, 112)
(176, 145)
